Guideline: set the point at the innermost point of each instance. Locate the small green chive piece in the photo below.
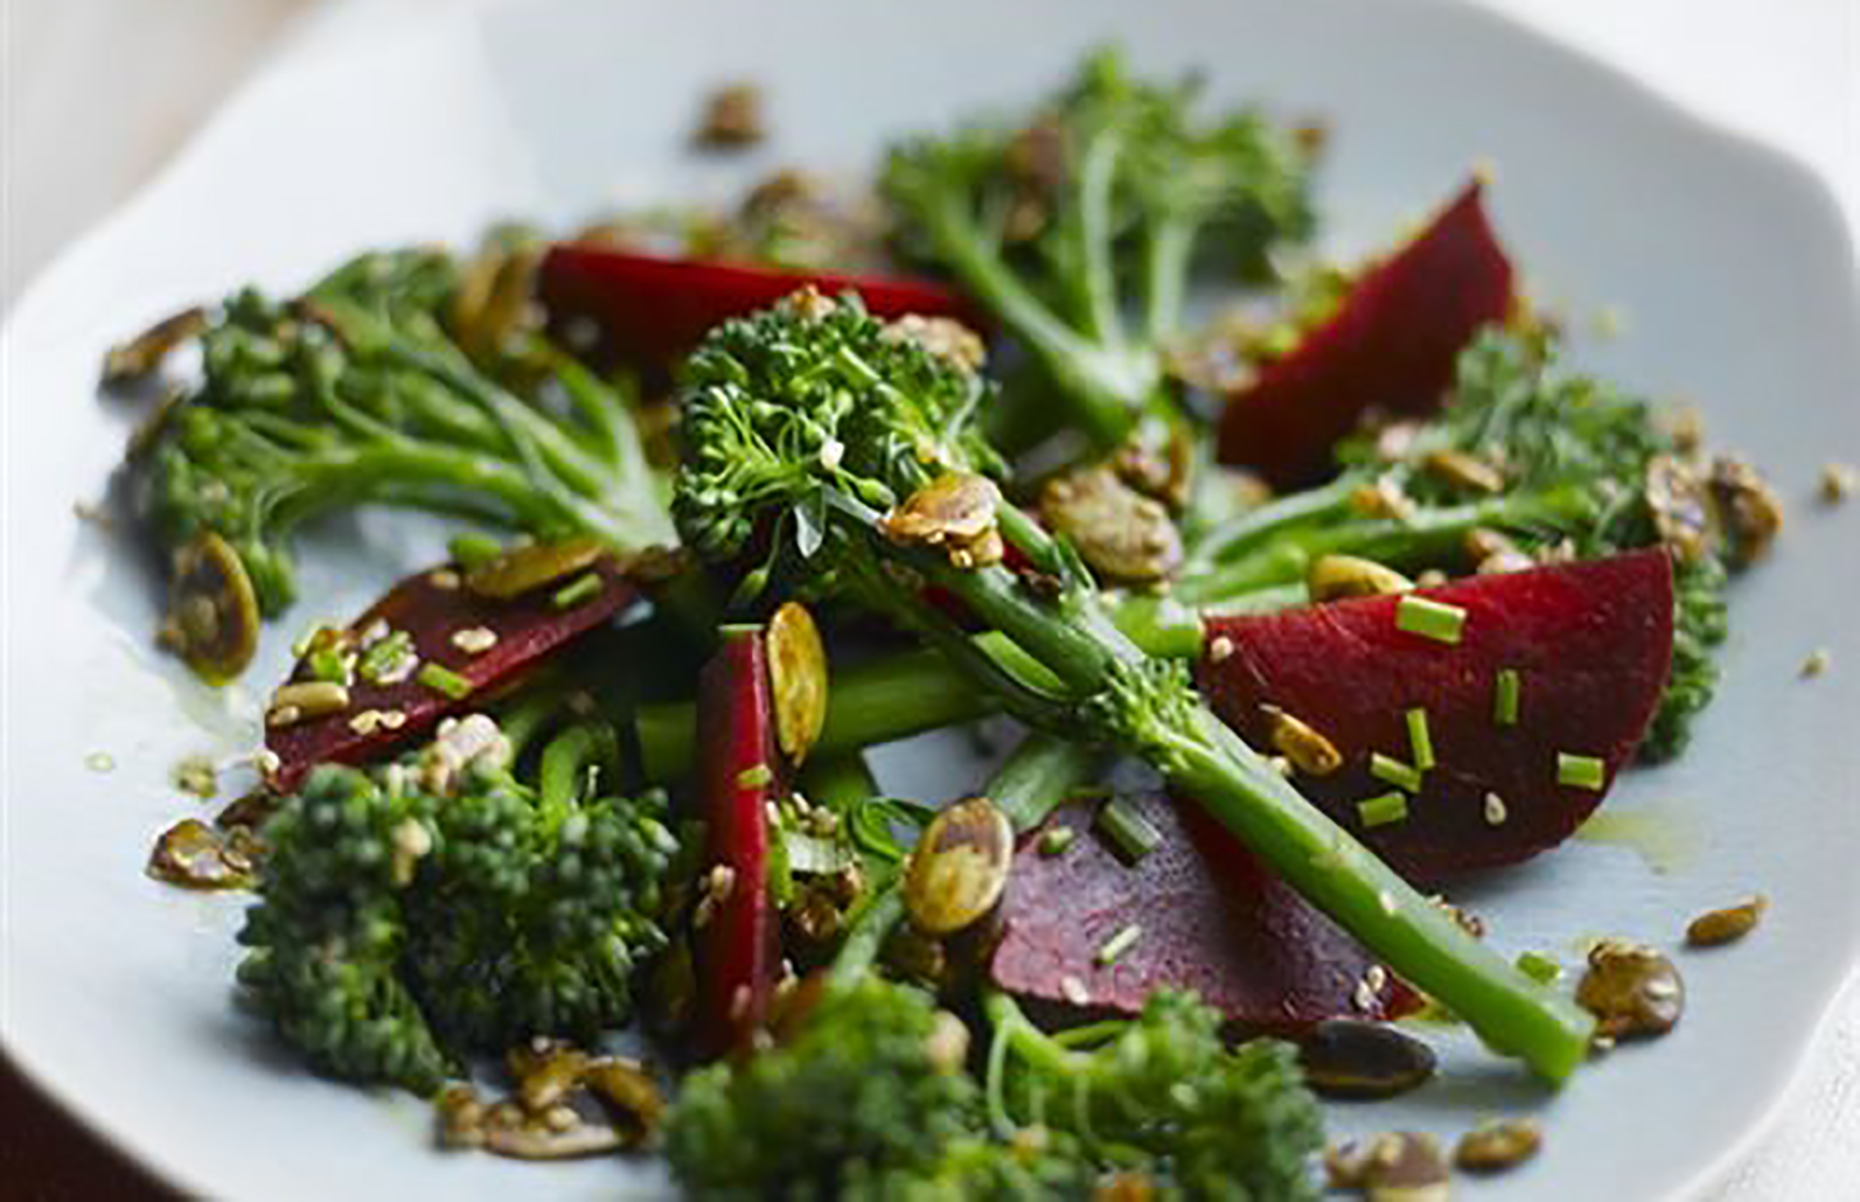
(755, 777)
(1580, 771)
(1540, 968)
(387, 657)
(1430, 619)
(1420, 741)
(471, 551)
(1132, 832)
(1395, 772)
(1505, 697)
(442, 679)
(584, 588)
(1055, 841)
(1383, 810)
(1118, 944)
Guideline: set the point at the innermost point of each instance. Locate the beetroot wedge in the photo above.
(444, 622)
(1209, 916)
(738, 776)
(1391, 345)
(651, 310)
(1589, 646)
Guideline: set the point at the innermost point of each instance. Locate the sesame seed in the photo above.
(366, 722)
(1495, 812)
(393, 719)
(266, 761)
(445, 579)
(1221, 649)
(284, 715)
(1376, 977)
(1817, 663)
(1074, 990)
(1365, 995)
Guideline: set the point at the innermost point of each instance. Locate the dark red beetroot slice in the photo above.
(738, 945)
(1212, 919)
(432, 607)
(652, 310)
(1591, 643)
(1391, 345)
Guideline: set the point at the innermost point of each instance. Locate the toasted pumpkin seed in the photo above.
(1499, 1144)
(1396, 1166)
(1302, 744)
(1727, 925)
(142, 356)
(627, 1092)
(1332, 577)
(212, 620)
(1633, 990)
(1124, 535)
(1343, 1058)
(1676, 498)
(305, 699)
(1749, 513)
(959, 868)
(196, 856)
(1463, 471)
(524, 569)
(956, 511)
(797, 679)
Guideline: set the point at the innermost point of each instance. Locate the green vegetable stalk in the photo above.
(814, 407)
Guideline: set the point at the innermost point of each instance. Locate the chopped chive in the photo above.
(1505, 697)
(1055, 841)
(327, 663)
(1539, 967)
(1383, 810)
(1580, 771)
(1132, 832)
(1118, 944)
(472, 551)
(1420, 742)
(1395, 772)
(584, 588)
(755, 777)
(387, 657)
(442, 679)
(1430, 619)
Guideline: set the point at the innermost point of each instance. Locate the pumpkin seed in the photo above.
(196, 856)
(955, 512)
(1124, 535)
(959, 868)
(1677, 500)
(212, 620)
(1396, 1166)
(1343, 1058)
(1332, 577)
(1749, 513)
(141, 357)
(1463, 471)
(1499, 1144)
(797, 679)
(1727, 925)
(1633, 990)
(1299, 742)
(520, 570)
(944, 338)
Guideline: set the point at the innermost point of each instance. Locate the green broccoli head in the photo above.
(362, 391)
(1098, 204)
(400, 928)
(871, 1085)
(1166, 1098)
(812, 396)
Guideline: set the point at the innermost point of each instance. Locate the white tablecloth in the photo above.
(97, 93)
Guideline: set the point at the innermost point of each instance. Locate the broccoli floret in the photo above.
(1569, 459)
(872, 1085)
(359, 392)
(400, 928)
(1101, 202)
(1164, 1097)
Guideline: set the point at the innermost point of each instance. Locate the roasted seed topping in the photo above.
(1498, 1144)
(959, 868)
(1727, 925)
(1331, 577)
(1633, 990)
(1343, 1058)
(1299, 742)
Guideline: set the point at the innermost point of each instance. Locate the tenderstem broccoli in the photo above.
(419, 912)
(1095, 209)
(358, 392)
(812, 407)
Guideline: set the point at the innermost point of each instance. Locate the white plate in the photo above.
(1728, 261)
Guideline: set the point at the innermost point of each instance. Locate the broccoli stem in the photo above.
(1179, 736)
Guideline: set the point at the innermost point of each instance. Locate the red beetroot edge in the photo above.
(1591, 644)
(737, 947)
(651, 310)
(1210, 918)
(1391, 345)
(434, 609)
